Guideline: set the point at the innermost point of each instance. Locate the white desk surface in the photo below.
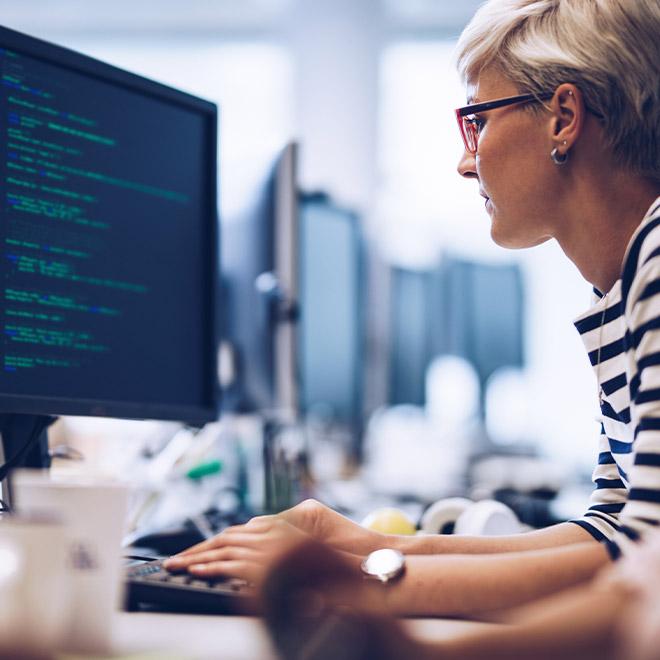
(195, 637)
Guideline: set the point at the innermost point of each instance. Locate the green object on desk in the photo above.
(204, 470)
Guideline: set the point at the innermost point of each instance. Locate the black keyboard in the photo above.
(150, 587)
(195, 529)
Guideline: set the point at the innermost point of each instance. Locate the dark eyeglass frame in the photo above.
(467, 123)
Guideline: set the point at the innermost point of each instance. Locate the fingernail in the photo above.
(172, 561)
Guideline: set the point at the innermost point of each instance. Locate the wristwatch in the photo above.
(384, 565)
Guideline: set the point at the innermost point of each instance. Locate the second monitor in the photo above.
(260, 281)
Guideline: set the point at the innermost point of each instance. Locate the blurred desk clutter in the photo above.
(187, 486)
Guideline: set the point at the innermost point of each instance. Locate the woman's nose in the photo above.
(467, 165)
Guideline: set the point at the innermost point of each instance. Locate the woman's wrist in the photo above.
(398, 542)
(420, 544)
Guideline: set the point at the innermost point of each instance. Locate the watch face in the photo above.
(384, 564)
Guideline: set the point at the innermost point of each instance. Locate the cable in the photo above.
(39, 426)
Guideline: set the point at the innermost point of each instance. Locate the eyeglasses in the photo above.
(470, 126)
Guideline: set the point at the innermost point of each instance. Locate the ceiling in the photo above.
(138, 15)
(429, 14)
(66, 16)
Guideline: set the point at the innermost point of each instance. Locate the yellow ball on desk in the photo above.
(389, 521)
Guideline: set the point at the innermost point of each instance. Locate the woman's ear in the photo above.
(568, 112)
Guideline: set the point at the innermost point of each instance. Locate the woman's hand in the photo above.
(323, 524)
(244, 551)
(317, 604)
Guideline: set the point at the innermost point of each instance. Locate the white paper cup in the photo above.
(34, 585)
(93, 513)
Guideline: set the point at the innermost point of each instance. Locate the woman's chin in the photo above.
(513, 241)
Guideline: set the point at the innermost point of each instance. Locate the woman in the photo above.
(561, 136)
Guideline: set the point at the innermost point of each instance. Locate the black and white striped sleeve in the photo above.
(642, 510)
(608, 498)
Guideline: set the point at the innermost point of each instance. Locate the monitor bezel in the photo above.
(190, 414)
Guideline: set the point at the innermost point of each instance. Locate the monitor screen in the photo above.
(478, 314)
(466, 308)
(247, 252)
(330, 333)
(109, 240)
(411, 349)
(259, 229)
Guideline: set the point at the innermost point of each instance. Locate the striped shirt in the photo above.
(621, 333)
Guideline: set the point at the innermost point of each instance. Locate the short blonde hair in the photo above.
(610, 49)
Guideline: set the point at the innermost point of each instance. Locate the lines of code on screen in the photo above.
(102, 192)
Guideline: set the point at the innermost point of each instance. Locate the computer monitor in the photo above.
(478, 314)
(463, 307)
(410, 335)
(259, 257)
(109, 241)
(331, 312)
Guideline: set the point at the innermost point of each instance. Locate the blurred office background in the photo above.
(367, 89)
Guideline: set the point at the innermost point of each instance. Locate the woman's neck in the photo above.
(599, 222)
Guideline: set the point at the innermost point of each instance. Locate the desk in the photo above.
(192, 637)
(195, 637)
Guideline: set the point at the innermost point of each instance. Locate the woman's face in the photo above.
(512, 166)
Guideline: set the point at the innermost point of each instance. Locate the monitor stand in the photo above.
(23, 443)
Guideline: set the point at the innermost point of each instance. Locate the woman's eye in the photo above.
(478, 123)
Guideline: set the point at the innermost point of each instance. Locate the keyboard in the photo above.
(150, 587)
(192, 530)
